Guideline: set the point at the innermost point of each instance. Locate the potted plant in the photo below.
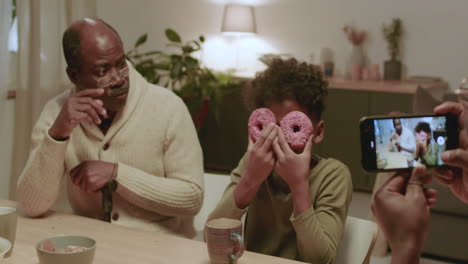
(392, 34)
(181, 72)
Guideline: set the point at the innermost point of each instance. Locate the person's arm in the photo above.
(391, 142)
(402, 210)
(247, 178)
(227, 207)
(39, 184)
(406, 256)
(180, 190)
(456, 179)
(319, 229)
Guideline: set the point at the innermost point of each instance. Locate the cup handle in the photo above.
(240, 242)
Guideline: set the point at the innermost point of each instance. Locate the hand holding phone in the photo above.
(402, 142)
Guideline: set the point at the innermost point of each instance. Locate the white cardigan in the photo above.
(154, 141)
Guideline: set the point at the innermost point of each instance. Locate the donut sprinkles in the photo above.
(297, 129)
(259, 120)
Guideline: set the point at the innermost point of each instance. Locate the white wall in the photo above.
(435, 43)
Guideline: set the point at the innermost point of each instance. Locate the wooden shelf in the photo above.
(403, 87)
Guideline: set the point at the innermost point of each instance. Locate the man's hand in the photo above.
(294, 169)
(398, 145)
(404, 216)
(456, 178)
(79, 107)
(92, 175)
(259, 164)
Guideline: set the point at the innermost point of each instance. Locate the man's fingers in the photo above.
(83, 184)
(452, 108)
(74, 174)
(431, 197)
(416, 181)
(444, 176)
(456, 158)
(396, 113)
(90, 111)
(449, 107)
(96, 104)
(395, 184)
(430, 193)
(90, 93)
(432, 203)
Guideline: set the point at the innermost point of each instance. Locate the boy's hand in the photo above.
(260, 156)
(260, 161)
(295, 170)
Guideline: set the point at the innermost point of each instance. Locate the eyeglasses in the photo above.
(110, 79)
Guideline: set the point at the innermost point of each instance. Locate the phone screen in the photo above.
(405, 142)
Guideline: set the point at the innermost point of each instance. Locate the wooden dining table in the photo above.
(115, 244)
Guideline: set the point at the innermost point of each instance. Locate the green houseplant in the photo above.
(183, 73)
(392, 34)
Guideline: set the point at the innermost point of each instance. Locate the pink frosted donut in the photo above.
(297, 129)
(260, 119)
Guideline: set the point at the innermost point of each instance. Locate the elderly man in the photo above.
(114, 127)
(403, 139)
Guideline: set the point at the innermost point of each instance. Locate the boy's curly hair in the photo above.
(423, 126)
(289, 79)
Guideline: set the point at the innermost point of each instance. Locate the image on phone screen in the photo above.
(408, 142)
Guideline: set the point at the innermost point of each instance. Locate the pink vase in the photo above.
(365, 74)
(355, 72)
(375, 72)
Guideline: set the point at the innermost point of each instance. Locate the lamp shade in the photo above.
(239, 19)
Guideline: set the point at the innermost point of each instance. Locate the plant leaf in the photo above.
(187, 49)
(175, 72)
(191, 62)
(175, 58)
(173, 36)
(198, 44)
(142, 39)
(152, 53)
(201, 38)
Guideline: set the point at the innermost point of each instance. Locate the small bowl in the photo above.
(5, 246)
(61, 242)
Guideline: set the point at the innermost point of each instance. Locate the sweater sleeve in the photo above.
(180, 190)
(226, 207)
(319, 229)
(38, 186)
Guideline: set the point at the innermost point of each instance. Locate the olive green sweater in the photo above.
(273, 229)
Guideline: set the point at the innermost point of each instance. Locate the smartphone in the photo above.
(392, 143)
